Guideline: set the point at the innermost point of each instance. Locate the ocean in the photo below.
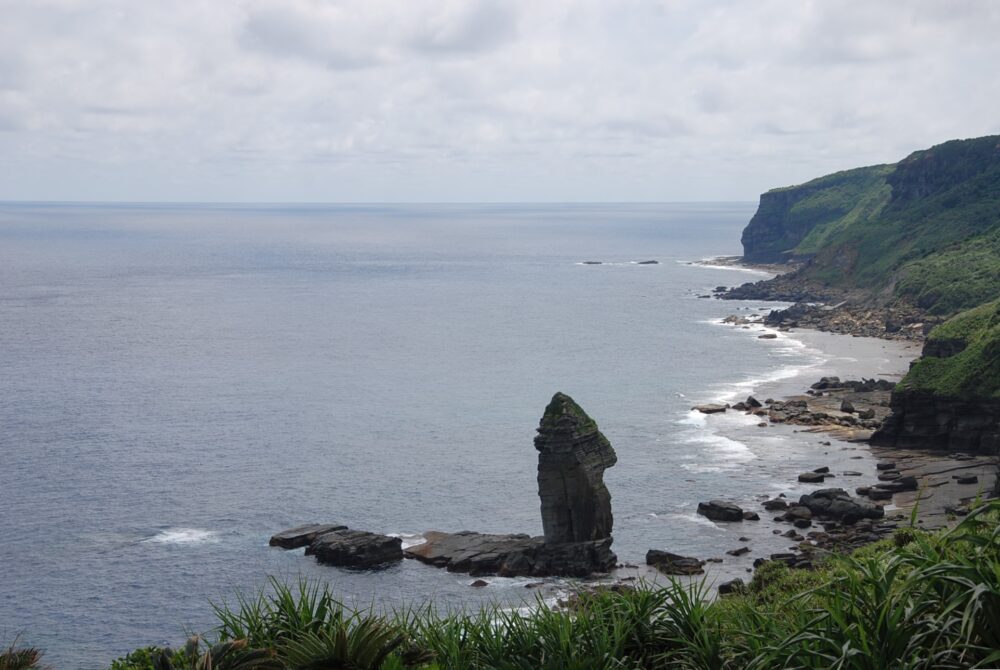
(179, 382)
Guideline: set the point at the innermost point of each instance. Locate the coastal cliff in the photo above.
(950, 399)
(908, 250)
(922, 234)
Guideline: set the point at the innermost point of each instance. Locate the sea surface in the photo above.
(179, 382)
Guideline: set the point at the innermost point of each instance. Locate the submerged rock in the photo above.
(572, 457)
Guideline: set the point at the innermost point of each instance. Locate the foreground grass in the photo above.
(919, 600)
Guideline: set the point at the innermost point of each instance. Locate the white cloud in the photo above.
(477, 99)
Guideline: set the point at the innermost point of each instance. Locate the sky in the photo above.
(478, 100)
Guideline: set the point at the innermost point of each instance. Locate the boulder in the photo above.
(751, 516)
(839, 505)
(752, 402)
(739, 551)
(822, 471)
(720, 510)
(302, 536)
(775, 504)
(710, 408)
(866, 414)
(572, 457)
(732, 586)
(767, 336)
(847, 406)
(885, 466)
(355, 549)
(812, 477)
(674, 564)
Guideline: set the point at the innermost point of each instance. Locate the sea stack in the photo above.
(572, 457)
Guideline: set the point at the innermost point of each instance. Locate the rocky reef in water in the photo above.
(576, 516)
(575, 505)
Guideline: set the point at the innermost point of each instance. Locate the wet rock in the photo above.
(751, 516)
(851, 473)
(822, 471)
(674, 564)
(798, 512)
(515, 555)
(752, 402)
(802, 523)
(355, 549)
(775, 504)
(302, 536)
(866, 414)
(720, 510)
(479, 583)
(970, 479)
(812, 477)
(710, 408)
(885, 466)
(767, 336)
(572, 457)
(888, 475)
(847, 406)
(739, 551)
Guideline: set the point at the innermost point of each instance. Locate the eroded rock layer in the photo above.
(572, 457)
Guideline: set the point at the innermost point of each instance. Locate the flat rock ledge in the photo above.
(340, 546)
(517, 555)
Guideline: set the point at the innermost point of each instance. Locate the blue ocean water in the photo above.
(179, 382)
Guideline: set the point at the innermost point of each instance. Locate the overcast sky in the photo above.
(478, 100)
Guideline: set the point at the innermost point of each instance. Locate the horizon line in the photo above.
(369, 203)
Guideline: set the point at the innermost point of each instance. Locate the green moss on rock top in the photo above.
(972, 372)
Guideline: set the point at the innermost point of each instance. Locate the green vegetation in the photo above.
(972, 372)
(925, 231)
(920, 600)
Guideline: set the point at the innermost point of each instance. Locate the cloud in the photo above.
(465, 99)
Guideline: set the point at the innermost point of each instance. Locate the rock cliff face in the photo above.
(787, 216)
(922, 419)
(572, 458)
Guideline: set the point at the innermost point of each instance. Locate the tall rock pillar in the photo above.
(572, 458)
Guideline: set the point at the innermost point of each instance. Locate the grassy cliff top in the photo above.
(974, 371)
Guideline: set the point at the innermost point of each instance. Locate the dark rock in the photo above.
(720, 510)
(648, 263)
(739, 552)
(908, 483)
(837, 504)
(802, 523)
(885, 466)
(826, 383)
(355, 549)
(888, 475)
(301, 536)
(512, 555)
(922, 420)
(740, 407)
(971, 479)
(812, 477)
(776, 504)
(674, 564)
(572, 457)
(847, 406)
(479, 583)
(798, 512)
(822, 471)
(732, 586)
(767, 336)
(752, 402)
(879, 493)
(851, 473)
(711, 408)
(866, 414)
(751, 516)
(592, 263)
